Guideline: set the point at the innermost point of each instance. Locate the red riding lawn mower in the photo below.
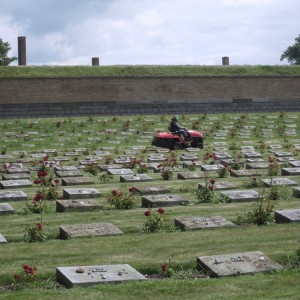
(173, 140)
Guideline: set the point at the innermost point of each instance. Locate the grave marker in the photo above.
(76, 181)
(85, 276)
(135, 178)
(8, 196)
(77, 205)
(287, 216)
(241, 195)
(278, 181)
(88, 230)
(193, 223)
(15, 184)
(6, 208)
(161, 200)
(236, 264)
(81, 193)
(146, 190)
(2, 239)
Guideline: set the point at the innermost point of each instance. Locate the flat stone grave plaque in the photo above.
(244, 173)
(283, 154)
(75, 173)
(211, 167)
(196, 164)
(219, 186)
(254, 160)
(290, 171)
(2, 239)
(81, 193)
(124, 160)
(192, 149)
(12, 196)
(60, 158)
(65, 168)
(236, 264)
(14, 170)
(87, 162)
(188, 157)
(222, 156)
(77, 205)
(252, 155)
(193, 223)
(147, 190)
(278, 181)
(241, 195)
(294, 163)
(15, 176)
(287, 216)
(161, 200)
(88, 230)
(113, 166)
(153, 159)
(296, 191)
(120, 171)
(85, 276)
(71, 154)
(76, 180)
(6, 208)
(5, 156)
(14, 184)
(190, 175)
(275, 147)
(135, 177)
(257, 165)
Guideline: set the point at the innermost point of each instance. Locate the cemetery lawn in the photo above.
(148, 70)
(85, 142)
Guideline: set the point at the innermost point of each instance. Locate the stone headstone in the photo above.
(6, 208)
(192, 223)
(147, 190)
(15, 176)
(2, 239)
(219, 186)
(161, 200)
(244, 173)
(75, 173)
(296, 191)
(81, 193)
(113, 166)
(135, 178)
(257, 165)
(278, 181)
(242, 195)
(120, 171)
(211, 168)
(15, 184)
(294, 163)
(236, 264)
(77, 205)
(16, 169)
(76, 181)
(287, 216)
(88, 230)
(8, 196)
(85, 276)
(290, 171)
(190, 175)
(65, 168)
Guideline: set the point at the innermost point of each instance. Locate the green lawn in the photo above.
(147, 252)
(147, 70)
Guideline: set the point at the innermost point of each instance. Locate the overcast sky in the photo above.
(165, 32)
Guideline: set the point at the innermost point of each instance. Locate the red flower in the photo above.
(211, 187)
(114, 192)
(38, 197)
(56, 181)
(132, 189)
(17, 276)
(26, 267)
(147, 213)
(212, 181)
(42, 174)
(164, 267)
(161, 211)
(40, 227)
(37, 181)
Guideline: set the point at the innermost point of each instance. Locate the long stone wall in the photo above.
(84, 96)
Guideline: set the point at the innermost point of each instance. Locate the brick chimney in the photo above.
(22, 50)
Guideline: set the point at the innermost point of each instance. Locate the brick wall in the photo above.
(33, 97)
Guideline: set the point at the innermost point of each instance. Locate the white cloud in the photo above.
(152, 32)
